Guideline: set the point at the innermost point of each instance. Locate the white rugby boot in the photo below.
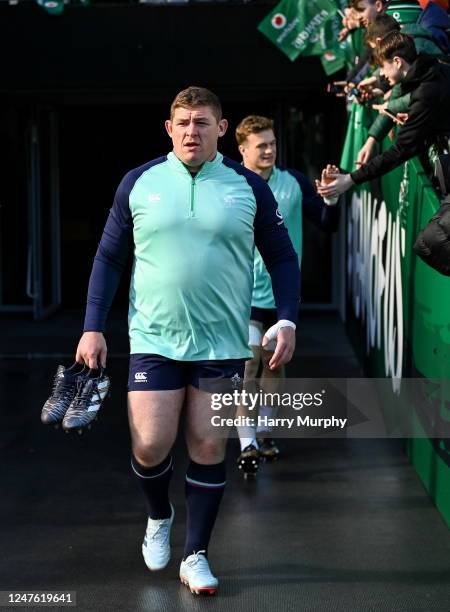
(196, 574)
(156, 544)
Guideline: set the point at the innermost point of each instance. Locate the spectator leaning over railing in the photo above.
(425, 20)
(428, 81)
(364, 12)
(394, 102)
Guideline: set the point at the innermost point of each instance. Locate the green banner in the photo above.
(397, 309)
(298, 27)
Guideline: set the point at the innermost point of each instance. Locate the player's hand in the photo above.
(329, 173)
(92, 350)
(285, 346)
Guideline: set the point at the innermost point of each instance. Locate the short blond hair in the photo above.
(253, 124)
(193, 96)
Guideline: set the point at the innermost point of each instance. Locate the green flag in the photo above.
(297, 26)
(54, 7)
(334, 55)
(333, 60)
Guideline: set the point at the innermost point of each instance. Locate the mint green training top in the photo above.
(193, 240)
(294, 194)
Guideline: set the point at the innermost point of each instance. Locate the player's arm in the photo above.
(109, 263)
(280, 258)
(325, 215)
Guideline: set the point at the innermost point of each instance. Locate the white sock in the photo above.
(247, 441)
(269, 412)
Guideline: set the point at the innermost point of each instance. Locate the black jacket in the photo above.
(433, 243)
(428, 81)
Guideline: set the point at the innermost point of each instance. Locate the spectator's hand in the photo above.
(350, 20)
(380, 107)
(285, 346)
(92, 350)
(343, 85)
(367, 84)
(343, 34)
(339, 185)
(368, 89)
(365, 152)
(327, 176)
(402, 118)
(399, 118)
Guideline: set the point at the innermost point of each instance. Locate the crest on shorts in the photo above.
(235, 380)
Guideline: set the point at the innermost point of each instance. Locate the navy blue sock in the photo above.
(154, 483)
(204, 489)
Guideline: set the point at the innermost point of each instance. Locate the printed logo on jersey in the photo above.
(154, 197)
(140, 377)
(228, 201)
(280, 216)
(278, 21)
(283, 195)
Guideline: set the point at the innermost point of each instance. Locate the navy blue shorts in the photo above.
(149, 372)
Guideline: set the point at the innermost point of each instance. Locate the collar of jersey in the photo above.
(273, 175)
(178, 165)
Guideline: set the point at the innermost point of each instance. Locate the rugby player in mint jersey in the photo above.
(191, 220)
(295, 196)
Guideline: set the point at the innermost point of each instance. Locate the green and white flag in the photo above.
(298, 26)
(334, 56)
(333, 60)
(54, 7)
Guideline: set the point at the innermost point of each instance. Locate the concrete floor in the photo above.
(341, 525)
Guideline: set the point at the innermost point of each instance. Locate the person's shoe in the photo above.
(156, 544)
(268, 449)
(248, 461)
(84, 408)
(196, 574)
(65, 386)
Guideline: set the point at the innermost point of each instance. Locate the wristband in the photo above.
(272, 333)
(331, 201)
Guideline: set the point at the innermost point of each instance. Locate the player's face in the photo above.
(392, 70)
(259, 150)
(194, 133)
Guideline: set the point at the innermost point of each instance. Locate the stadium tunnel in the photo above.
(85, 96)
(83, 99)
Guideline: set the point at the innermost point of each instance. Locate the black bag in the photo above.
(433, 243)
